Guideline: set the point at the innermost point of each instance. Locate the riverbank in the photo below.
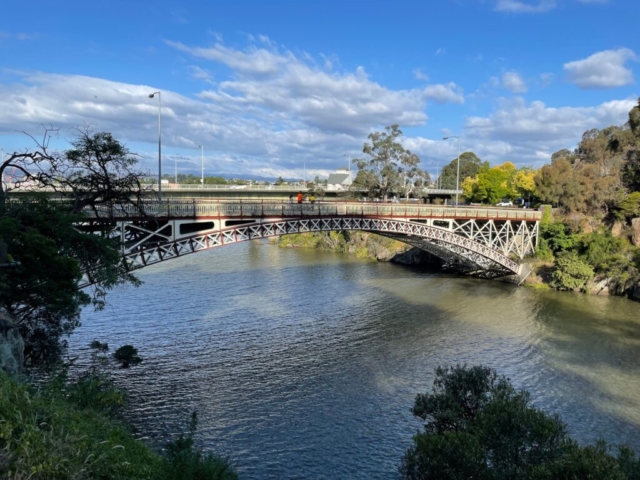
(63, 431)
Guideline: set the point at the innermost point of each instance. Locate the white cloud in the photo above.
(546, 79)
(444, 93)
(200, 73)
(604, 69)
(268, 127)
(420, 75)
(254, 60)
(519, 6)
(513, 81)
(274, 84)
(523, 129)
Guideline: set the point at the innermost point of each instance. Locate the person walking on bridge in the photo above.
(299, 197)
(291, 198)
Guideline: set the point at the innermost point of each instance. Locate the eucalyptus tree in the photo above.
(388, 166)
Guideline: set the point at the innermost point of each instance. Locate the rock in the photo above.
(11, 346)
(616, 229)
(635, 293)
(600, 287)
(416, 256)
(585, 226)
(635, 231)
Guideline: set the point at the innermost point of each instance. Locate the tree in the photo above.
(97, 174)
(477, 426)
(524, 182)
(387, 160)
(491, 185)
(631, 167)
(578, 187)
(42, 292)
(280, 181)
(470, 166)
(411, 176)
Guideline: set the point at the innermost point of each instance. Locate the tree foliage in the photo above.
(570, 272)
(388, 167)
(491, 185)
(98, 174)
(42, 294)
(470, 166)
(477, 426)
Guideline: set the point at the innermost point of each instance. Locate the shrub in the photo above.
(127, 355)
(478, 426)
(184, 461)
(570, 272)
(629, 207)
(44, 437)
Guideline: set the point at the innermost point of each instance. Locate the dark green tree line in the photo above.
(98, 174)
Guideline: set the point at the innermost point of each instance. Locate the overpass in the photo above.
(174, 191)
(483, 241)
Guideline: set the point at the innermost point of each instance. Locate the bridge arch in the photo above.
(488, 242)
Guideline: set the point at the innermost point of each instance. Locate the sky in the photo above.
(291, 88)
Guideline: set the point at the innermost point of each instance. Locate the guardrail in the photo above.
(196, 208)
(153, 188)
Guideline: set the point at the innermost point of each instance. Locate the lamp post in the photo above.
(349, 157)
(305, 174)
(176, 170)
(458, 174)
(151, 95)
(202, 165)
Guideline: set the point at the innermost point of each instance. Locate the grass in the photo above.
(46, 436)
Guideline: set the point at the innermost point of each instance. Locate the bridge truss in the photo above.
(480, 245)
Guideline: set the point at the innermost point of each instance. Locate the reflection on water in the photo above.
(303, 364)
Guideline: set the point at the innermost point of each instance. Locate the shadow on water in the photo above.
(595, 342)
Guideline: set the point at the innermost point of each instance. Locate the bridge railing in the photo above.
(261, 208)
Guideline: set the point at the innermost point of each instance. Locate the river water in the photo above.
(304, 364)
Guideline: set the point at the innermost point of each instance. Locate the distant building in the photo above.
(341, 180)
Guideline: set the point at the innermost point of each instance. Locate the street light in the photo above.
(151, 95)
(458, 174)
(176, 170)
(202, 160)
(349, 156)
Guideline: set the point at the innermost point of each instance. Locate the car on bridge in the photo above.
(505, 203)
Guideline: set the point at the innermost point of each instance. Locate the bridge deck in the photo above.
(263, 209)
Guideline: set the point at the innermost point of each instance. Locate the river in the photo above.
(304, 364)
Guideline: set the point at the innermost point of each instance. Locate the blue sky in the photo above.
(269, 86)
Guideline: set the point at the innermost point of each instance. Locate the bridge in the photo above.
(483, 241)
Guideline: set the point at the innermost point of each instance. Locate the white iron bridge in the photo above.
(480, 240)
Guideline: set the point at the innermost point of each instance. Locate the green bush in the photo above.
(127, 355)
(629, 207)
(557, 237)
(477, 426)
(570, 272)
(44, 437)
(184, 461)
(598, 247)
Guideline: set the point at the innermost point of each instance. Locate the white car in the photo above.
(505, 203)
